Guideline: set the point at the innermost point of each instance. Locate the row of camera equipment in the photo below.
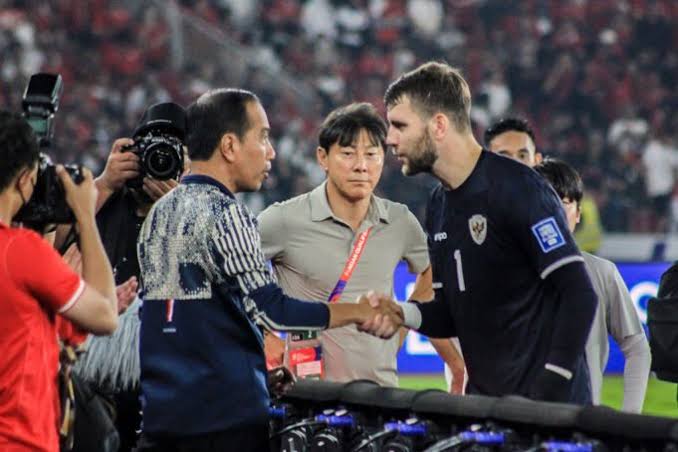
(363, 416)
(158, 141)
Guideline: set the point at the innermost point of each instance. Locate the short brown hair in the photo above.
(434, 87)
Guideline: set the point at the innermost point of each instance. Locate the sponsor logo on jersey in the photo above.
(440, 236)
(548, 234)
(477, 224)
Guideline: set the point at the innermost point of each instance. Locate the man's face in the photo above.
(516, 145)
(354, 170)
(409, 139)
(572, 212)
(256, 151)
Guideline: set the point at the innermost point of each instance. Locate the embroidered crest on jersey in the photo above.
(548, 234)
(477, 224)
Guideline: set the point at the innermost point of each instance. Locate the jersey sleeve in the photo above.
(536, 218)
(70, 333)
(34, 265)
(436, 316)
(236, 249)
(416, 252)
(280, 312)
(622, 318)
(272, 232)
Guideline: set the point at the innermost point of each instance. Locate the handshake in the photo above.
(381, 316)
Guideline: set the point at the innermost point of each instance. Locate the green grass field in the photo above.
(660, 399)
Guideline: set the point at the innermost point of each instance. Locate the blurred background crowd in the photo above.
(595, 78)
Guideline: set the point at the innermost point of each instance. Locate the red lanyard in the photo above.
(350, 265)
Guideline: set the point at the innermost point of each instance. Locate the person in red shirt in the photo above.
(37, 286)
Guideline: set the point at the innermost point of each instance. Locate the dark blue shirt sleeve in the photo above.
(436, 319)
(536, 218)
(436, 316)
(574, 315)
(278, 311)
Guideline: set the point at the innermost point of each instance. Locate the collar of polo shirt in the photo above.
(320, 207)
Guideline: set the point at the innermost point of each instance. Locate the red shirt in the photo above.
(35, 284)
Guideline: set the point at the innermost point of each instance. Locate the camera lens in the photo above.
(162, 161)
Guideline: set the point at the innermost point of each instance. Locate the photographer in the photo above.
(36, 285)
(121, 209)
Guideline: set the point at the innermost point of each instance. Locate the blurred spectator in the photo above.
(426, 16)
(628, 131)
(660, 161)
(498, 94)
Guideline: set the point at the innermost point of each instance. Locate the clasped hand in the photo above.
(383, 316)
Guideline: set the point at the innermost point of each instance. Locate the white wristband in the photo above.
(411, 315)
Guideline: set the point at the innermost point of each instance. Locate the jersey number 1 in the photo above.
(460, 271)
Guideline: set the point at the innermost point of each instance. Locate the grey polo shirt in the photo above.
(615, 315)
(308, 247)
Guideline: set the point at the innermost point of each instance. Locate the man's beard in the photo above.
(423, 156)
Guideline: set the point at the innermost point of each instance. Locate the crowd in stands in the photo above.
(594, 77)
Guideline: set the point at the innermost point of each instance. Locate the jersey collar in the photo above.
(476, 181)
(204, 179)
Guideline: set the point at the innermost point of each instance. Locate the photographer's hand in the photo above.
(156, 189)
(120, 167)
(81, 198)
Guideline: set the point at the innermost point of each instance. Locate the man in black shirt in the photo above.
(122, 210)
(509, 280)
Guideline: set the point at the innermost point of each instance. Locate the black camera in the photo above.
(48, 203)
(159, 141)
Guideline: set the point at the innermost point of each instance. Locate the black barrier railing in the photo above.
(362, 416)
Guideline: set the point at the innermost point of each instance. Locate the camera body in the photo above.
(158, 142)
(48, 203)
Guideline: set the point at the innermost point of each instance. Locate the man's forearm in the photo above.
(96, 269)
(342, 314)
(573, 316)
(402, 335)
(448, 353)
(636, 371)
(103, 193)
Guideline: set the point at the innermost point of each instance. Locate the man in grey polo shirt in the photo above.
(310, 237)
(616, 314)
